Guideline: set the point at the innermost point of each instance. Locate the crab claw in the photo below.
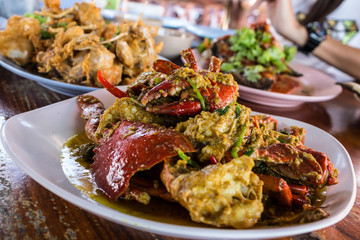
(133, 147)
(111, 88)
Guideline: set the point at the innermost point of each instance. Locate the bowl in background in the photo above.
(174, 41)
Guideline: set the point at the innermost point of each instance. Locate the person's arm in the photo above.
(331, 51)
(341, 56)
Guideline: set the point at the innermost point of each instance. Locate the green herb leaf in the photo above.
(41, 19)
(227, 67)
(252, 73)
(289, 53)
(46, 35)
(198, 94)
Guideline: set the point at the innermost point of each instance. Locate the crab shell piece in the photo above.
(300, 164)
(132, 147)
(216, 95)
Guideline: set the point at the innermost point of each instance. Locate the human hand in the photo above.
(284, 21)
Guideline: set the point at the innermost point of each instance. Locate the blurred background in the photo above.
(222, 14)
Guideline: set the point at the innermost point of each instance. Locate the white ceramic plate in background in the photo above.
(205, 31)
(34, 140)
(56, 86)
(174, 40)
(323, 88)
(64, 88)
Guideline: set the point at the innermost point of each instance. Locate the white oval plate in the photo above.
(56, 86)
(34, 140)
(205, 31)
(64, 88)
(323, 88)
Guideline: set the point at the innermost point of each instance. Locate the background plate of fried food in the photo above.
(35, 139)
(62, 49)
(64, 88)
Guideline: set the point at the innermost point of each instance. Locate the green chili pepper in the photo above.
(237, 144)
(237, 110)
(281, 140)
(286, 133)
(222, 111)
(249, 152)
(198, 94)
(132, 96)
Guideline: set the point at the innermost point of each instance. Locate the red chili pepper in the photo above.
(213, 160)
(111, 88)
(256, 121)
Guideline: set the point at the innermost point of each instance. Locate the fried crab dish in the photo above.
(178, 134)
(71, 45)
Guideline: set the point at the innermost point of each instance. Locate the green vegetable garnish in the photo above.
(186, 158)
(41, 19)
(249, 152)
(257, 47)
(237, 110)
(283, 132)
(47, 35)
(252, 73)
(62, 24)
(222, 111)
(204, 45)
(237, 144)
(198, 94)
(157, 80)
(132, 96)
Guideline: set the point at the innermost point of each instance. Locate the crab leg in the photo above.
(277, 186)
(111, 88)
(299, 200)
(163, 89)
(189, 57)
(91, 110)
(298, 189)
(184, 108)
(215, 64)
(226, 94)
(164, 66)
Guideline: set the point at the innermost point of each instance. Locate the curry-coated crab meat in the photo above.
(184, 90)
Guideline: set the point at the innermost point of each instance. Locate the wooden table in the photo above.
(29, 211)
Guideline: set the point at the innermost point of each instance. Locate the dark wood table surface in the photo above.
(29, 211)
